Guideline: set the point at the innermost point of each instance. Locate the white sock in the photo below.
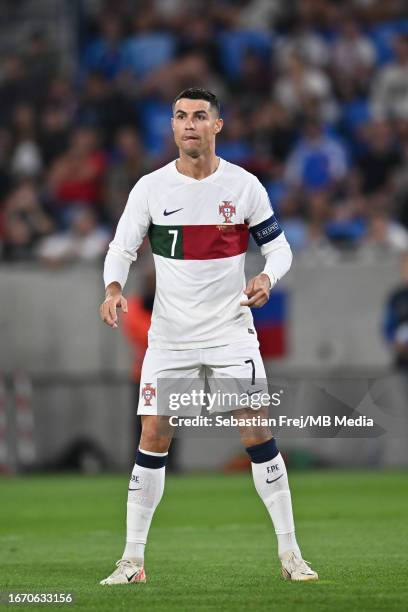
(146, 488)
(271, 482)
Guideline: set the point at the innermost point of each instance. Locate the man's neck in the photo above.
(198, 168)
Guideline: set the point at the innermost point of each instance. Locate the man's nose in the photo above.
(190, 124)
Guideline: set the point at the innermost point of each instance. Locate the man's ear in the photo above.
(172, 124)
(218, 125)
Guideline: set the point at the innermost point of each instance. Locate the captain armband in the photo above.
(266, 231)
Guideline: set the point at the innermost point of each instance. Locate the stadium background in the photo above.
(315, 100)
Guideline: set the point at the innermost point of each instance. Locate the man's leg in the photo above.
(270, 479)
(145, 492)
(271, 482)
(146, 484)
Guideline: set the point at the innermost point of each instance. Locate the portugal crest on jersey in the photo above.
(227, 210)
(148, 393)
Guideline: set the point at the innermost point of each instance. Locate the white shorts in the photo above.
(167, 375)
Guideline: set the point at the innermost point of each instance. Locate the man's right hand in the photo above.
(114, 299)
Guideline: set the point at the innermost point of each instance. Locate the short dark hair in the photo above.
(199, 93)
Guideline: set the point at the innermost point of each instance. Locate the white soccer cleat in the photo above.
(296, 568)
(127, 572)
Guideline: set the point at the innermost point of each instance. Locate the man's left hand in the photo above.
(257, 290)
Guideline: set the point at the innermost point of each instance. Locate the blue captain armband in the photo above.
(266, 231)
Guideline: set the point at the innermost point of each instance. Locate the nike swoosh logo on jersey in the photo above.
(274, 480)
(170, 212)
(139, 489)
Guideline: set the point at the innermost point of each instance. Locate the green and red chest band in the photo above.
(199, 241)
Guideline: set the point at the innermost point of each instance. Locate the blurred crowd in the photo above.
(314, 95)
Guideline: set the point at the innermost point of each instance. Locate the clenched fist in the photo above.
(258, 289)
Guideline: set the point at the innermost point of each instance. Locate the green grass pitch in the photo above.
(211, 545)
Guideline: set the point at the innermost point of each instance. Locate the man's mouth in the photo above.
(190, 138)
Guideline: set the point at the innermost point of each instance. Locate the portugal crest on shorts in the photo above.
(227, 210)
(148, 393)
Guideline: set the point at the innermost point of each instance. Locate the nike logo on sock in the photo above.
(140, 488)
(170, 212)
(274, 480)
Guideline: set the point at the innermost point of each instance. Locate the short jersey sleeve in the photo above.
(261, 220)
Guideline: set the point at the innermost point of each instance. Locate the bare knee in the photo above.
(156, 434)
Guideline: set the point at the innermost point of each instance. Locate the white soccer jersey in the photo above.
(199, 232)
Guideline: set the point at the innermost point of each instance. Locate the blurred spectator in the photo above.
(53, 132)
(105, 54)
(306, 43)
(5, 150)
(129, 163)
(84, 240)
(61, 93)
(26, 156)
(253, 85)
(353, 53)
(42, 61)
(166, 82)
(199, 38)
(300, 87)
(294, 226)
(273, 131)
(317, 209)
(24, 222)
(390, 88)
(14, 87)
(385, 235)
(102, 107)
(384, 31)
(232, 143)
(155, 116)
(278, 191)
(236, 44)
(318, 161)
(17, 240)
(259, 14)
(76, 176)
(347, 225)
(381, 158)
(149, 47)
(172, 12)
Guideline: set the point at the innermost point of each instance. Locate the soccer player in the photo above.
(199, 211)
